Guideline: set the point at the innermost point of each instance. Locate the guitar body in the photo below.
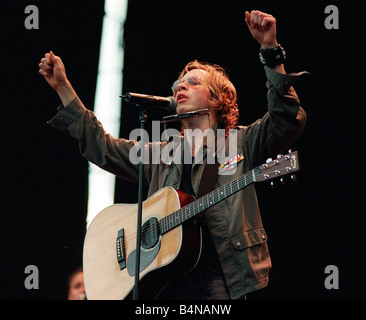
(175, 253)
(170, 239)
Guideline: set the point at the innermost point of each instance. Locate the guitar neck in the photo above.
(196, 207)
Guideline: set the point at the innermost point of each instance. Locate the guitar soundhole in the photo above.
(150, 233)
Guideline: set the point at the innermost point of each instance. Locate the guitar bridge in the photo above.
(120, 246)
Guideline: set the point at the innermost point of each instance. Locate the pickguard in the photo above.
(146, 257)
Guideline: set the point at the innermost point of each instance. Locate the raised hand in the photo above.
(53, 70)
(262, 26)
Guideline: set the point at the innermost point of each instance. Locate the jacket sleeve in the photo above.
(281, 125)
(96, 145)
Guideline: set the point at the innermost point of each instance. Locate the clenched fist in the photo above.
(53, 70)
(262, 26)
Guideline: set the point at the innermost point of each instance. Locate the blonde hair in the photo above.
(222, 92)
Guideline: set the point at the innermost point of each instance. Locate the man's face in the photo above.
(192, 95)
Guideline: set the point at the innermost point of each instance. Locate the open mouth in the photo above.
(181, 97)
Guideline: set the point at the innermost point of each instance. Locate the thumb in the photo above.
(52, 57)
(55, 61)
(247, 16)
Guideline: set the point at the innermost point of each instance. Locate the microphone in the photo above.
(145, 100)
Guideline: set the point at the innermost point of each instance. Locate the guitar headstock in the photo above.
(281, 166)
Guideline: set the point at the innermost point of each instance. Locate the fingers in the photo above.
(45, 67)
(259, 20)
(44, 73)
(48, 63)
(52, 68)
(267, 22)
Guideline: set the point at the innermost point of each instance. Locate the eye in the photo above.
(175, 85)
(192, 80)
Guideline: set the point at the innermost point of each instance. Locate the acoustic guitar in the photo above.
(170, 238)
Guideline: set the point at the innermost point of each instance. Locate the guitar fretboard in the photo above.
(194, 208)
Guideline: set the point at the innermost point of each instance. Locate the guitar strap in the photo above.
(209, 173)
(208, 178)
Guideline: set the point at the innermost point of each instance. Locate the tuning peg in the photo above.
(293, 178)
(272, 185)
(282, 181)
(269, 160)
(289, 150)
(279, 156)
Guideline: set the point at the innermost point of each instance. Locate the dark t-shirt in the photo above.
(206, 280)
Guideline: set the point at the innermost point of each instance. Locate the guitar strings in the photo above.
(208, 200)
(172, 220)
(181, 215)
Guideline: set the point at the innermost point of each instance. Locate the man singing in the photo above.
(234, 259)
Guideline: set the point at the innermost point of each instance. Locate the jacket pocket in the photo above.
(247, 239)
(251, 254)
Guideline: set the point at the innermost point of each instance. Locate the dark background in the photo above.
(315, 222)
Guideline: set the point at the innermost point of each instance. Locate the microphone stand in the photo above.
(142, 120)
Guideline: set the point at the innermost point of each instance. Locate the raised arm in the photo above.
(285, 119)
(53, 70)
(262, 26)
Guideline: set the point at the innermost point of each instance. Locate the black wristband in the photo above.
(272, 57)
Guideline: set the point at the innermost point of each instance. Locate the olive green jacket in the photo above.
(235, 223)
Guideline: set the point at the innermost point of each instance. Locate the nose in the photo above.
(182, 86)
